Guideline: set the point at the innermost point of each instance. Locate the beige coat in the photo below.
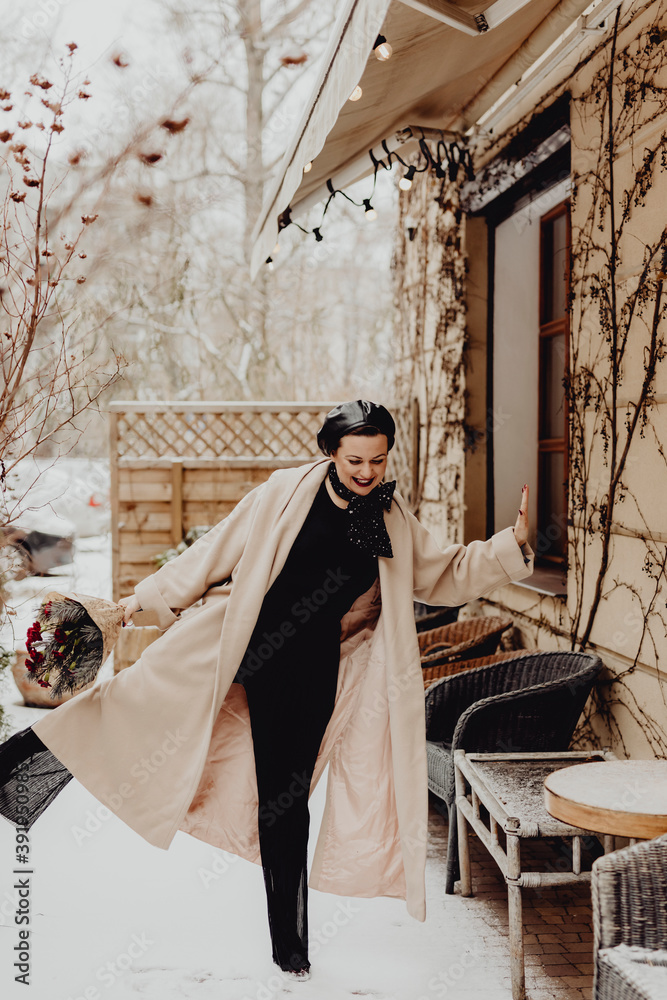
(167, 745)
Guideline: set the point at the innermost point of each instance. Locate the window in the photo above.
(552, 407)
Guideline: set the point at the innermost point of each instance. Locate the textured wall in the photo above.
(429, 268)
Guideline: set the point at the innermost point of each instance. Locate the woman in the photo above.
(303, 653)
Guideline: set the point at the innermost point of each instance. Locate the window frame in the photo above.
(546, 330)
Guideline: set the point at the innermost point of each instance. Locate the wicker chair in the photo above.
(428, 617)
(434, 672)
(462, 640)
(528, 703)
(629, 890)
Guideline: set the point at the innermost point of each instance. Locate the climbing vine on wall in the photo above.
(619, 267)
(617, 551)
(617, 308)
(429, 268)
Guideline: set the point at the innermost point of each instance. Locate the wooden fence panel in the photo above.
(154, 508)
(176, 466)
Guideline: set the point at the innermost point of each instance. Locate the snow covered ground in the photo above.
(113, 918)
(61, 495)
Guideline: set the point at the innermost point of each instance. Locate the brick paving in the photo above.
(558, 923)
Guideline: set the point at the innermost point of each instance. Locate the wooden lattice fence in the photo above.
(178, 466)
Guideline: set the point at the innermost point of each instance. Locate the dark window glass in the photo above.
(554, 248)
(552, 531)
(553, 364)
(553, 369)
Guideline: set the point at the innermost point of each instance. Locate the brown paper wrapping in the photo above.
(107, 616)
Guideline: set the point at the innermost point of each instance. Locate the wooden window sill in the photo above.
(549, 580)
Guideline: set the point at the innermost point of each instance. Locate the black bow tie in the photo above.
(366, 527)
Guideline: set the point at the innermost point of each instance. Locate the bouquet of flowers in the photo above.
(70, 640)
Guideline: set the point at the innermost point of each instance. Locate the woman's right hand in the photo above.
(521, 526)
(130, 604)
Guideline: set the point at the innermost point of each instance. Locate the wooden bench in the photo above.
(510, 788)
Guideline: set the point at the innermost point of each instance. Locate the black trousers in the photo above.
(290, 702)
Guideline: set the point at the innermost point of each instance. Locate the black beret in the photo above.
(348, 417)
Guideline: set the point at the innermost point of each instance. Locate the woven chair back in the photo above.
(433, 673)
(462, 640)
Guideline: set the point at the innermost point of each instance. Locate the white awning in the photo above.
(450, 63)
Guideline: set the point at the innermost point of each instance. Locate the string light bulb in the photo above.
(382, 49)
(445, 161)
(356, 93)
(269, 263)
(370, 212)
(405, 183)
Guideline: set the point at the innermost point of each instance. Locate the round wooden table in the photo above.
(625, 798)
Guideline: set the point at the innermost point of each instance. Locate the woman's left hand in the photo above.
(130, 605)
(521, 526)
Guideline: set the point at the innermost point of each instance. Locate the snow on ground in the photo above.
(62, 495)
(113, 918)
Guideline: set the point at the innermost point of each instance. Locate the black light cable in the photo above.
(446, 162)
